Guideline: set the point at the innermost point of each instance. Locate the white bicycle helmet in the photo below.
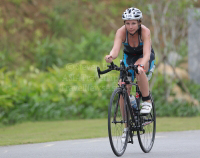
(132, 14)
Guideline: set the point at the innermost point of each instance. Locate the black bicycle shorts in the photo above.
(132, 60)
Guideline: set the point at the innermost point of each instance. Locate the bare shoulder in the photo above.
(121, 32)
(145, 32)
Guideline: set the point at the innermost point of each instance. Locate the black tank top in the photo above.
(134, 51)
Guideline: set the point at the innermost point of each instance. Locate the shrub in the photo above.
(69, 93)
(52, 51)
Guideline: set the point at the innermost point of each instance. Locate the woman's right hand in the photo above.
(108, 58)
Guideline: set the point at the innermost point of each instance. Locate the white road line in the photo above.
(48, 145)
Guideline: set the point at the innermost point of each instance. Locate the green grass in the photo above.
(36, 132)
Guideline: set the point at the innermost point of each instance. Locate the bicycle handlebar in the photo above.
(102, 72)
(122, 67)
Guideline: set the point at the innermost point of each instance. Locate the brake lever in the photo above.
(111, 66)
(134, 67)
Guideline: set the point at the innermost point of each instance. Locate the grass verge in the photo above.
(37, 132)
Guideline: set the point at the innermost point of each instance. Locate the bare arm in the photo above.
(147, 46)
(117, 44)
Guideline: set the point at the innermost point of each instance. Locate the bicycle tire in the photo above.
(116, 123)
(146, 137)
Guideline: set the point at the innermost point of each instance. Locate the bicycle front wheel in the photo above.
(117, 122)
(146, 137)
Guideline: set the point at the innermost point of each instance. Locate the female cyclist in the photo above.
(137, 50)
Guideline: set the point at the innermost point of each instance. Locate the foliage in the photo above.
(71, 92)
(52, 51)
(79, 26)
(194, 89)
(17, 2)
(36, 83)
(177, 107)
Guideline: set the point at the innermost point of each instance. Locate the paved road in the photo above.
(167, 145)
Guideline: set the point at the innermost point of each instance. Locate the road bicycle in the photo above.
(123, 116)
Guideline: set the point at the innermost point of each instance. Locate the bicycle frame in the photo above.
(135, 115)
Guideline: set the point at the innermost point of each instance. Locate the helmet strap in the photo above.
(139, 26)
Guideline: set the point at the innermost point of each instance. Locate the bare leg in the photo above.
(143, 81)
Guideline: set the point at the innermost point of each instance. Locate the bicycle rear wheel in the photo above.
(147, 136)
(117, 121)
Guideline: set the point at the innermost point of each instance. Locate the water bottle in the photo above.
(133, 102)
